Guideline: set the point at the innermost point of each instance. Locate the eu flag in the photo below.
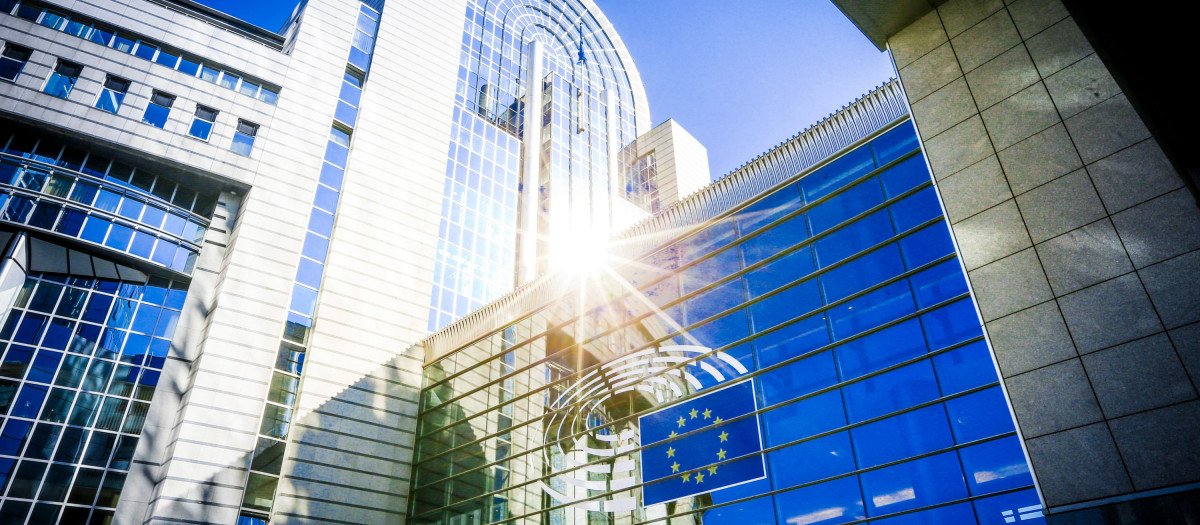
(694, 435)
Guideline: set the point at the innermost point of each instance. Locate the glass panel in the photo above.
(926, 481)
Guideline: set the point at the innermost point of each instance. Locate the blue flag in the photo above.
(694, 435)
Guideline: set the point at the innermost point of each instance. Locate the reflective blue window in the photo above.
(904, 176)
(321, 222)
(979, 415)
(325, 197)
(705, 241)
(811, 460)
(965, 368)
(722, 330)
(331, 176)
(862, 273)
(309, 273)
(871, 310)
(902, 436)
(803, 418)
(837, 501)
(346, 114)
(62, 80)
(1016, 507)
(779, 272)
(845, 205)
(315, 247)
(856, 237)
(709, 271)
(995, 466)
(952, 514)
(918, 483)
(29, 401)
(938, 284)
(336, 154)
(736, 514)
(714, 301)
(895, 143)
(951, 324)
(780, 237)
(890, 392)
(837, 174)
(916, 209)
(769, 208)
(880, 349)
(926, 245)
(786, 305)
(792, 340)
(799, 378)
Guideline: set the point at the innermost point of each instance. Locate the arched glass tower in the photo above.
(496, 230)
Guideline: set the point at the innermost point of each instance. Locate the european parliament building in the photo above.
(429, 262)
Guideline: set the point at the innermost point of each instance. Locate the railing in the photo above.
(52, 199)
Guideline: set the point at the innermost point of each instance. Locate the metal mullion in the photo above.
(137, 225)
(905, 318)
(757, 373)
(798, 211)
(760, 230)
(56, 169)
(767, 450)
(822, 309)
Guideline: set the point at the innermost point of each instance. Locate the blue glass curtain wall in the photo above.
(81, 360)
(840, 295)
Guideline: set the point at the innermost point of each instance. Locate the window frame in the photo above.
(251, 131)
(152, 103)
(196, 117)
(56, 74)
(5, 58)
(118, 96)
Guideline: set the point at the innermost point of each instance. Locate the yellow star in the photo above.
(681, 421)
(723, 435)
(717, 421)
(721, 454)
(675, 467)
(670, 452)
(707, 413)
(699, 477)
(712, 471)
(672, 434)
(687, 477)
(694, 413)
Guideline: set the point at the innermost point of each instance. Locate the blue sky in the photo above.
(740, 76)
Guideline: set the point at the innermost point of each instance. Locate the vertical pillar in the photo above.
(614, 179)
(531, 171)
(13, 269)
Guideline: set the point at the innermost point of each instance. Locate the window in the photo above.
(145, 50)
(62, 79)
(158, 109)
(243, 139)
(202, 122)
(113, 93)
(12, 61)
(229, 81)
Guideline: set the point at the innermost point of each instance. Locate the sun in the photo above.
(581, 253)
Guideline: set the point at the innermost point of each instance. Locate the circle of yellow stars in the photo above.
(723, 436)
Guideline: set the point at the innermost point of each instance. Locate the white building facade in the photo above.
(293, 209)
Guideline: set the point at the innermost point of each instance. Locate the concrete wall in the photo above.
(681, 161)
(1081, 243)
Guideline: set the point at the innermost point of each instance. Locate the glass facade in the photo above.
(50, 186)
(477, 244)
(265, 464)
(81, 360)
(838, 298)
